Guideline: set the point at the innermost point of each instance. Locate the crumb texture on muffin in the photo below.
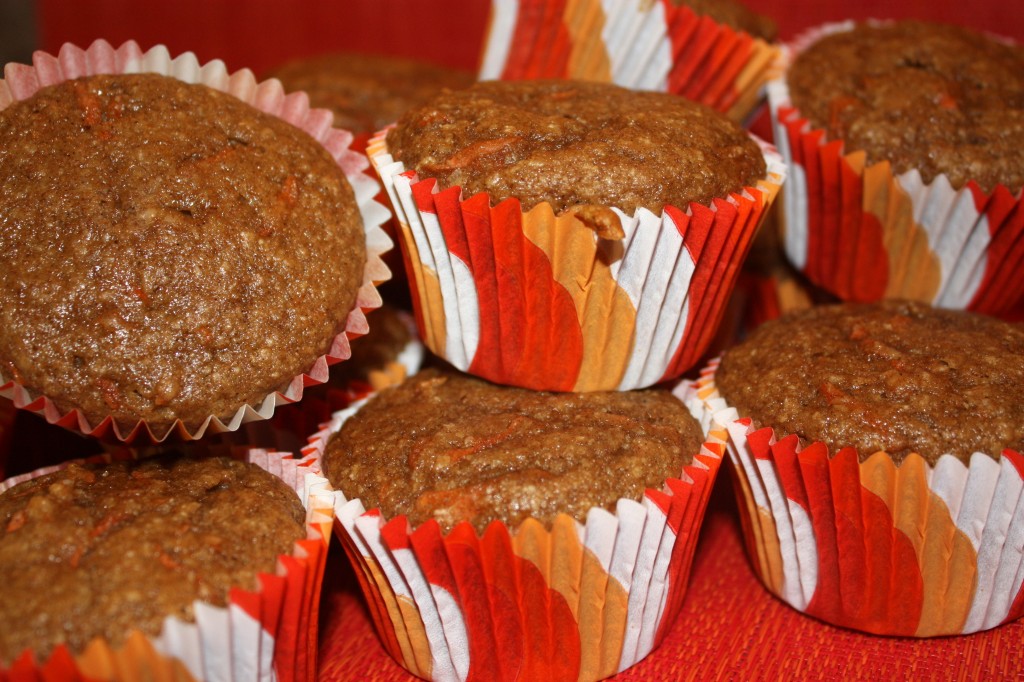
(100, 550)
(735, 14)
(167, 251)
(455, 448)
(576, 144)
(367, 92)
(938, 98)
(894, 376)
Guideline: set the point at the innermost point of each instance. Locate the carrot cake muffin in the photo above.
(101, 550)
(367, 92)
(166, 251)
(453, 448)
(574, 144)
(939, 98)
(734, 14)
(892, 376)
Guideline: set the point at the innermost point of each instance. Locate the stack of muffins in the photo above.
(571, 242)
(528, 507)
(183, 249)
(877, 442)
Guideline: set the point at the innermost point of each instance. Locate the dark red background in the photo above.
(730, 627)
(262, 33)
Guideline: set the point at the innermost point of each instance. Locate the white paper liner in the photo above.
(22, 81)
(634, 547)
(228, 643)
(984, 500)
(958, 231)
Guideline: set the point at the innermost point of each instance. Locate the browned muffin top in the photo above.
(895, 376)
(575, 144)
(938, 98)
(454, 448)
(167, 251)
(100, 550)
(734, 14)
(367, 92)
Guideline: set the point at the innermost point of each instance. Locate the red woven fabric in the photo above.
(730, 628)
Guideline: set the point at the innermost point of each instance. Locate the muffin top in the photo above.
(454, 448)
(895, 376)
(734, 14)
(574, 144)
(100, 550)
(166, 250)
(935, 97)
(367, 92)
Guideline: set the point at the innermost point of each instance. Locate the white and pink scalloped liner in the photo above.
(21, 81)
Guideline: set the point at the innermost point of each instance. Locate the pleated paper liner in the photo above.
(539, 301)
(269, 632)
(865, 233)
(908, 550)
(638, 44)
(22, 81)
(289, 428)
(573, 602)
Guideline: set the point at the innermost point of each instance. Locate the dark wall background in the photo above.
(17, 30)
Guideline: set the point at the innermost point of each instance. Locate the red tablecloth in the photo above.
(730, 628)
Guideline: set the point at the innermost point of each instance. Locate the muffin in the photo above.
(100, 557)
(881, 471)
(453, 448)
(909, 140)
(568, 518)
(367, 92)
(385, 356)
(207, 253)
(578, 212)
(716, 52)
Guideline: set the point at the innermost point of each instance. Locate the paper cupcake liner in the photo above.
(909, 550)
(576, 602)
(865, 233)
(539, 301)
(263, 634)
(640, 44)
(22, 81)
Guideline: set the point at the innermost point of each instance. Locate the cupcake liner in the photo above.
(576, 601)
(909, 550)
(496, 289)
(640, 45)
(7, 415)
(262, 634)
(22, 81)
(865, 233)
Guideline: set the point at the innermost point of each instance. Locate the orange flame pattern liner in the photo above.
(263, 633)
(538, 301)
(22, 81)
(641, 44)
(908, 550)
(864, 233)
(576, 601)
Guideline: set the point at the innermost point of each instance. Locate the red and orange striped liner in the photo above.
(865, 233)
(908, 550)
(639, 44)
(536, 300)
(571, 602)
(22, 81)
(268, 631)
